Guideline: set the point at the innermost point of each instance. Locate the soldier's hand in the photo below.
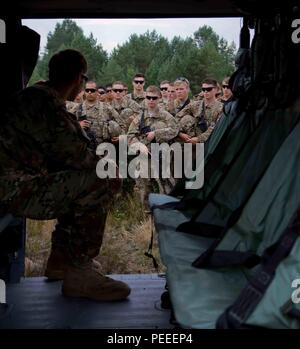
(193, 140)
(85, 124)
(115, 139)
(184, 137)
(150, 136)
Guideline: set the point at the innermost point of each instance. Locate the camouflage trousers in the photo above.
(144, 186)
(79, 200)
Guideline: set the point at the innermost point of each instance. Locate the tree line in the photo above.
(203, 55)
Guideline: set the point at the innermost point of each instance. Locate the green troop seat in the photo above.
(200, 296)
(231, 133)
(225, 205)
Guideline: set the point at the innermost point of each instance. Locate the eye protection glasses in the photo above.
(152, 98)
(116, 90)
(181, 78)
(92, 90)
(139, 81)
(207, 89)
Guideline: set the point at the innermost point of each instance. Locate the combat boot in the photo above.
(57, 263)
(88, 282)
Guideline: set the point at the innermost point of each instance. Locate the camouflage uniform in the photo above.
(189, 117)
(178, 105)
(197, 97)
(162, 123)
(105, 121)
(137, 99)
(163, 104)
(166, 128)
(127, 110)
(47, 171)
(170, 107)
(71, 106)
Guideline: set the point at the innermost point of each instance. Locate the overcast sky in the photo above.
(111, 32)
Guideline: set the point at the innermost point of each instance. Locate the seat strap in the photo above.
(237, 314)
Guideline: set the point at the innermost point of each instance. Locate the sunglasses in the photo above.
(101, 92)
(92, 90)
(207, 89)
(152, 98)
(181, 78)
(108, 90)
(164, 89)
(139, 81)
(120, 90)
(225, 86)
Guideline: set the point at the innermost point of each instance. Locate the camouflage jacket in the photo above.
(127, 110)
(137, 99)
(169, 106)
(162, 123)
(39, 136)
(163, 104)
(105, 121)
(178, 105)
(189, 117)
(71, 106)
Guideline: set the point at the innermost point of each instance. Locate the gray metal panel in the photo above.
(37, 303)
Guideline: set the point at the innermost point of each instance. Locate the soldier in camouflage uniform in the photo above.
(101, 94)
(163, 103)
(227, 95)
(171, 93)
(99, 119)
(152, 125)
(138, 94)
(126, 107)
(109, 94)
(47, 172)
(198, 119)
(182, 89)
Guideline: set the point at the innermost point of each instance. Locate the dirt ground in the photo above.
(126, 239)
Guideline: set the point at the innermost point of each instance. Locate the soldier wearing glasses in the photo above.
(109, 94)
(227, 93)
(163, 103)
(98, 119)
(48, 172)
(102, 94)
(152, 125)
(126, 107)
(198, 119)
(138, 94)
